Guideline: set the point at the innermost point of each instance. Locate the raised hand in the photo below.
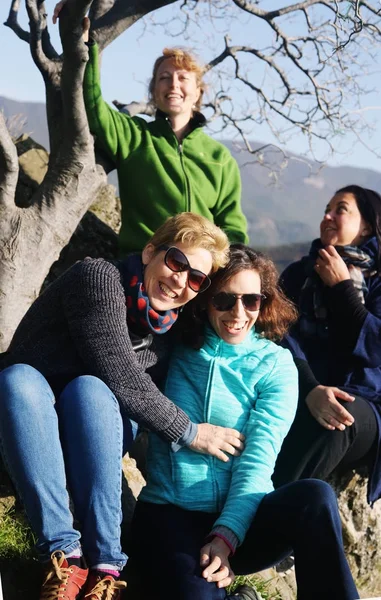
(57, 9)
(330, 266)
(85, 29)
(324, 406)
(85, 23)
(215, 440)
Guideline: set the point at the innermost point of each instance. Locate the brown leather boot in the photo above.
(103, 587)
(62, 581)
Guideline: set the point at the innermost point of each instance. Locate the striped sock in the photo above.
(105, 569)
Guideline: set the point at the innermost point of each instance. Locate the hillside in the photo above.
(287, 212)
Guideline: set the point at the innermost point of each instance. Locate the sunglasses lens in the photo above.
(176, 260)
(198, 281)
(252, 301)
(223, 301)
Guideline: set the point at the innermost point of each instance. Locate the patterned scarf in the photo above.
(314, 314)
(141, 318)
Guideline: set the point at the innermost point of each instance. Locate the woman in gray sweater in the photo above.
(73, 379)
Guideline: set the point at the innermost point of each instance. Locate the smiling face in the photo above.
(165, 288)
(343, 224)
(234, 325)
(176, 90)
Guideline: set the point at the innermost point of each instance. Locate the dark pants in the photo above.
(310, 450)
(301, 518)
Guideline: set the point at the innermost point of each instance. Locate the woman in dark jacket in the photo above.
(72, 380)
(337, 345)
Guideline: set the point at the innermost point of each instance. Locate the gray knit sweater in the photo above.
(78, 326)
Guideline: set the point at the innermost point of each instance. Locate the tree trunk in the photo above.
(32, 237)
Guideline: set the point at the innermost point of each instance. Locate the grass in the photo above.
(20, 571)
(258, 583)
(16, 538)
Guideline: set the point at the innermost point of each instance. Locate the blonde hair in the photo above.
(182, 59)
(196, 231)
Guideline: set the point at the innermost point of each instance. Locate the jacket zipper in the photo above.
(187, 184)
(207, 409)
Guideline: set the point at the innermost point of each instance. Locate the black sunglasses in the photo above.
(226, 301)
(178, 262)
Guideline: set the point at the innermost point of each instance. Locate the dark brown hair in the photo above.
(276, 315)
(369, 204)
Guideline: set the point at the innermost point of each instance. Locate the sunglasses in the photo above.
(226, 301)
(178, 262)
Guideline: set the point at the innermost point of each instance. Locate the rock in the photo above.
(361, 531)
(132, 484)
(33, 164)
(281, 588)
(96, 235)
(361, 534)
(107, 208)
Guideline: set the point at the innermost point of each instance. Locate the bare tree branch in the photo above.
(253, 8)
(36, 24)
(75, 54)
(12, 22)
(47, 45)
(99, 8)
(135, 108)
(121, 15)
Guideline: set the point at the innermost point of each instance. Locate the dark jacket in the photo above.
(348, 356)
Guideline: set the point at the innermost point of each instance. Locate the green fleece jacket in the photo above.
(158, 177)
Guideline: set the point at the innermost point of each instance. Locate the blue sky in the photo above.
(127, 65)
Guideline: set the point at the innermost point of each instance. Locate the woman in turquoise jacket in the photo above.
(196, 521)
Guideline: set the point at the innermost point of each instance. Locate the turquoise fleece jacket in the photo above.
(158, 177)
(252, 387)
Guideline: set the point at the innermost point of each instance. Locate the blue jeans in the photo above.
(73, 442)
(301, 517)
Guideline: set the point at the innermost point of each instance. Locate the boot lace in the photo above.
(54, 586)
(106, 589)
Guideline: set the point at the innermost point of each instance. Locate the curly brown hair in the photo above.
(276, 315)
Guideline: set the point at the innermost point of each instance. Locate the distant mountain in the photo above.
(30, 117)
(290, 211)
(287, 212)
